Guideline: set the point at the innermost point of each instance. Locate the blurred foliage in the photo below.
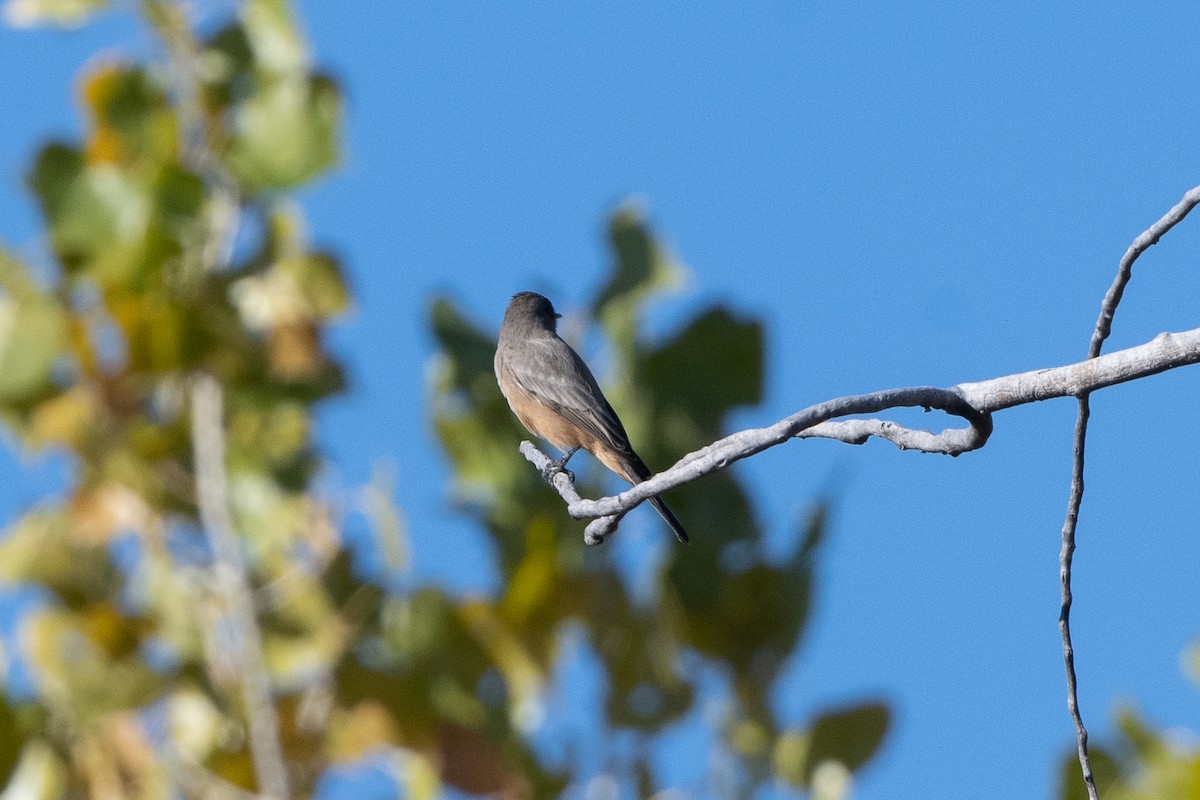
(132, 692)
(172, 251)
(1141, 764)
(26, 13)
(718, 607)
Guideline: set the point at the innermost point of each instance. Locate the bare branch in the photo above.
(973, 402)
(1145, 240)
(1163, 352)
(231, 583)
(1065, 556)
(1108, 308)
(212, 252)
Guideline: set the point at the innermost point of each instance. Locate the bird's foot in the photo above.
(559, 465)
(554, 468)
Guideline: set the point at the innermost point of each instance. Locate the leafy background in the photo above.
(485, 649)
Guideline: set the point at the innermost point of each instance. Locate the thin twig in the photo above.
(1147, 239)
(1108, 309)
(971, 401)
(1065, 556)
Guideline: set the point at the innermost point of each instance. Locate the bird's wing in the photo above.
(559, 379)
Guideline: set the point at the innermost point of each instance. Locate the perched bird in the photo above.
(555, 396)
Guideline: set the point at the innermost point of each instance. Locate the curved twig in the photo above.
(737, 446)
(974, 402)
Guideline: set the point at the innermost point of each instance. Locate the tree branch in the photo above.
(230, 581)
(1108, 309)
(973, 402)
(212, 252)
(1145, 240)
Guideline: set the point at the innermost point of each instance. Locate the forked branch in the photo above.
(1108, 310)
(973, 402)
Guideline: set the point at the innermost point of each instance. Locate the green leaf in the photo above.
(270, 518)
(791, 756)
(179, 199)
(737, 631)
(641, 650)
(33, 335)
(717, 511)
(1144, 741)
(741, 609)
(133, 122)
(1070, 778)
(419, 627)
(98, 215)
(11, 740)
(849, 736)
(227, 62)
(65, 13)
(41, 548)
(163, 334)
(319, 278)
(642, 266)
(470, 350)
(714, 365)
(282, 119)
(77, 220)
(66, 654)
(272, 35)
(286, 132)
(264, 436)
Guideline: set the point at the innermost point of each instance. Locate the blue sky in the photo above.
(925, 193)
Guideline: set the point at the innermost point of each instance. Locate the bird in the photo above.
(555, 396)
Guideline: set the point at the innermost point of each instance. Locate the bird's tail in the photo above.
(636, 471)
(666, 514)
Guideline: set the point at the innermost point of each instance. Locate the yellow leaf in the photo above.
(355, 732)
(66, 419)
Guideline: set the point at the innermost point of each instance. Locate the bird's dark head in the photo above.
(530, 309)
